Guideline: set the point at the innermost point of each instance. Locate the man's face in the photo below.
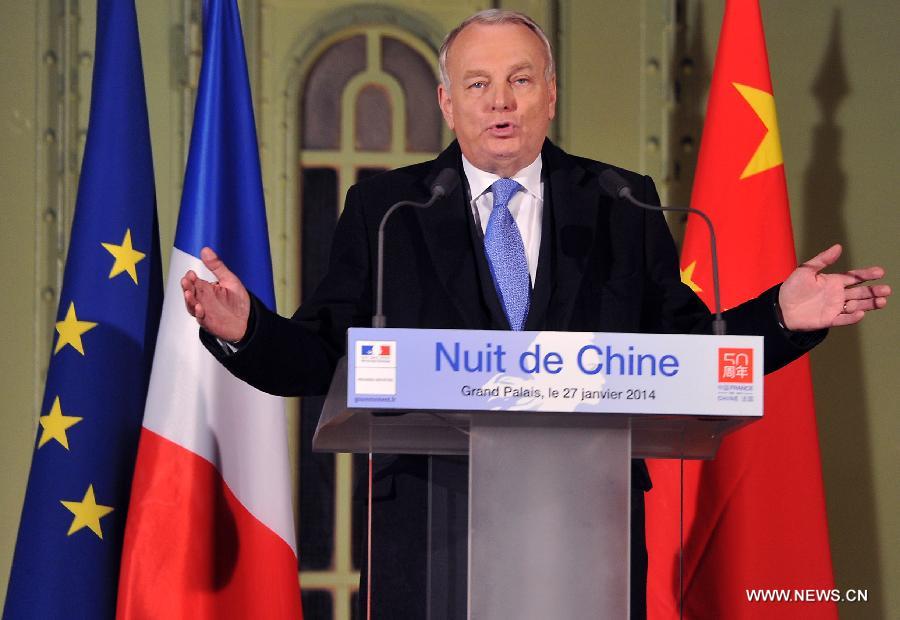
(499, 103)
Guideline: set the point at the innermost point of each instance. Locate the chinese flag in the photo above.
(755, 516)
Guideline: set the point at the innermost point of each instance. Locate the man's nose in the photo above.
(503, 98)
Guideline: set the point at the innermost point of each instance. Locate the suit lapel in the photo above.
(540, 295)
(447, 233)
(573, 231)
(499, 320)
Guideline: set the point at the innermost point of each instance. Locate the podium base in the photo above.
(545, 499)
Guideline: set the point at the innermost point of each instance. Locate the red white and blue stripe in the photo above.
(211, 529)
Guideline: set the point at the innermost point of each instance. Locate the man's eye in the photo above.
(522, 80)
(478, 84)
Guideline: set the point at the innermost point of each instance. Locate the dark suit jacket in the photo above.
(604, 266)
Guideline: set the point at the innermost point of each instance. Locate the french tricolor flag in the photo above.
(210, 530)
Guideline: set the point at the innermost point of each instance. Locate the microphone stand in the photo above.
(616, 186)
(444, 184)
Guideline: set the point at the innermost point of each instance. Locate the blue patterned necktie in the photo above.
(506, 255)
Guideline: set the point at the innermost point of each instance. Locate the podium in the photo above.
(550, 422)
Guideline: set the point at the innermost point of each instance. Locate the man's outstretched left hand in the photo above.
(810, 299)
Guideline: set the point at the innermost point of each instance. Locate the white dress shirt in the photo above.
(526, 206)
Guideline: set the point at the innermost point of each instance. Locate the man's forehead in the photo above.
(483, 42)
(476, 71)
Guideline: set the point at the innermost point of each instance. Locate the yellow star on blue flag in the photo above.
(70, 330)
(126, 257)
(87, 513)
(54, 426)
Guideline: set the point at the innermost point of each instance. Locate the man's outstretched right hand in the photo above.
(222, 308)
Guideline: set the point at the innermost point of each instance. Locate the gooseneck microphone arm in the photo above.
(617, 187)
(444, 184)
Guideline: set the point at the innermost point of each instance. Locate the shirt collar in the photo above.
(528, 177)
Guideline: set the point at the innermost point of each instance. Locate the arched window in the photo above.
(367, 104)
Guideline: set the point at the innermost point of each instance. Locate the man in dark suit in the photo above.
(586, 261)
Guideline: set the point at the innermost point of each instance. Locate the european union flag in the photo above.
(66, 562)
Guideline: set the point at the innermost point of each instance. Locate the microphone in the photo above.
(613, 184)
(443, 185)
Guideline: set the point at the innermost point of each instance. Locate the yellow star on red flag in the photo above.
(687, 276)
(126, 257)
(768, 154)
(87, 513)
(70, 331)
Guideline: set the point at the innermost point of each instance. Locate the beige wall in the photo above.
(617, 60)
(18, 109)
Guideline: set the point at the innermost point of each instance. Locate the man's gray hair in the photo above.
(494, 17)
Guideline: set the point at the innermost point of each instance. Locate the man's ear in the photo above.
(552, 89)
(445, 104)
